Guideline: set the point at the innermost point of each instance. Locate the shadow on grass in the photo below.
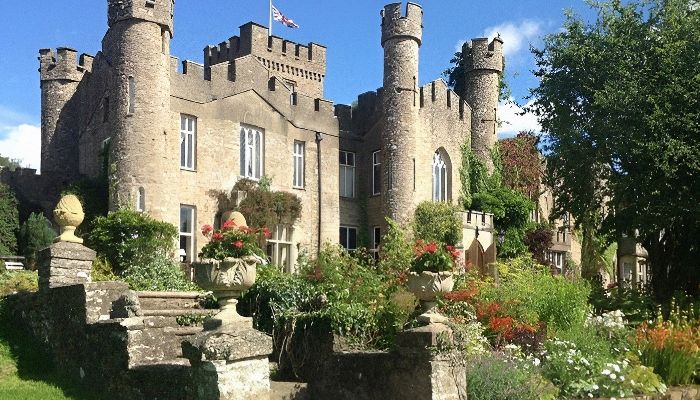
(31, 358)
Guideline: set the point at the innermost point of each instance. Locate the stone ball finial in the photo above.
(68, 215)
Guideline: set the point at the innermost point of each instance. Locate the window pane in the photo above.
(352, 238)
(185, 219)
(351, 159)
(344, 237)
(190, 150)
(342, 157)
(343, 188)
(183, 148)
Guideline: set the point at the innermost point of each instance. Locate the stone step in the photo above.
(169, 300)
(177, 312)
(168, 379)
(288, 391)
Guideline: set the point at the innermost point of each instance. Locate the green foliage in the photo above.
(102, 271)
(160, 273)
(35, 234)
(396, 250)
(94, 197)
(513, 244)
(437, 222)
(265, 208)
(496, 377)
(510, 209)
(529, 291)
(628, 140)
(128, 238)
(9, 221)
(18, 281)
(9, 163)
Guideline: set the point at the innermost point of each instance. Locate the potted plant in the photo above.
(228, 266)
(430, 275)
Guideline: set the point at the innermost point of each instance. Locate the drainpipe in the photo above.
(320, 208)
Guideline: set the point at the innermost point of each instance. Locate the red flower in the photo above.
(238, 243)
(217, 237)
(207, 229)
(455, 254)
(449, 248)
(266, 233)
(431, 247)
(228, 225)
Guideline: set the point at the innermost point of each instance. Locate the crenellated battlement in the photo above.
(395, 24)
(63, 64)
(304, 65)
(157, 11)
(479, 54)
(438, 95)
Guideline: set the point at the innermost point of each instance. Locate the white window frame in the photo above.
(190, 254)
(439, 167)
(347, 229)
(188, 142)
(298, 164)
(347, 174)
(376, 241)
(376, 172)
(252, 152)
(279, 247)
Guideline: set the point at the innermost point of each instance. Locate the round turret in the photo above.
(401, 39)
(144, 147)
(483, 65)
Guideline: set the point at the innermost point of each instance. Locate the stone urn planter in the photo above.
(426, 286)
(227, 279)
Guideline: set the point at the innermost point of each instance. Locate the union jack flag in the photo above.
(278, 16)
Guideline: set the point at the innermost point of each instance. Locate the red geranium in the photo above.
(228, 225)
(238, 243)
(207, 229)
(217, 236)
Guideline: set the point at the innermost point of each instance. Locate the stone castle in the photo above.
(171, 134)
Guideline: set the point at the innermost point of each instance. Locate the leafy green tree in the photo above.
(34, 234)
(9, 163)
(619, 100)
(9, 220)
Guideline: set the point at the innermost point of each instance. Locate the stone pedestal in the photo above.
(230, 364)
(64, 264)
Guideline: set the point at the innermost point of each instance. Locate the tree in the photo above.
(35, 234)
(619, 100)
(9, 163)
(9, 221)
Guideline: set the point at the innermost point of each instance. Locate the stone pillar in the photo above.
(446, 369)
(64, 264)
(230, 364)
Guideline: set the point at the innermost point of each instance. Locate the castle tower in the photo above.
(401, 39)
(144, 148)
(60, 75)
(483, 65)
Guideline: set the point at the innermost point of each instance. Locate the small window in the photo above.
(279, 247)
(188, 137)
(187, 221)
(298, 165)
(132, 94)
(376, 172)
(251, 153)
(141, 200)
(376, 241)
(347, 174)
(348, 238)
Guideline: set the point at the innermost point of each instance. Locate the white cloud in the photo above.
(516, 36)
(22, 142)
(514, 120)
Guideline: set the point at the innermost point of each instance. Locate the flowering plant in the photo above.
(232, 241)
(433, 257)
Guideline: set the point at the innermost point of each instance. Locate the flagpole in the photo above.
(269, 14)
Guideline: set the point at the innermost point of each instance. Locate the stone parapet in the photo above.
(64, 264)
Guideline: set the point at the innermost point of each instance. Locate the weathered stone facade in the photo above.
(170, 136)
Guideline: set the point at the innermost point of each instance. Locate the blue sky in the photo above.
(350, 30)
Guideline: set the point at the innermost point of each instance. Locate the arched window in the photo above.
(141, 200)
(441, 176)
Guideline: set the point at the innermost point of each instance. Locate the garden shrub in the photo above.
(18, 281)
(497, 377)
(102, 271)
(9, 221)
(35, 234)
(437, 222)
(395, 254)
(265, 208)
(160, 274)
(529, 291)
(127, 238)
